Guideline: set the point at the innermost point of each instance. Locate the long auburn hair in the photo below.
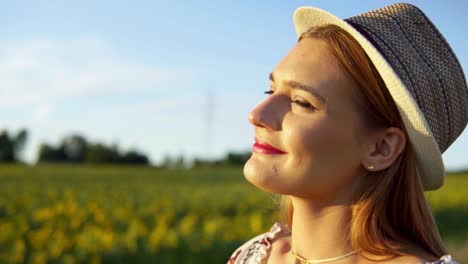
(392, 211)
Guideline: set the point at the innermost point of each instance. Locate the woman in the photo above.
(351, 136)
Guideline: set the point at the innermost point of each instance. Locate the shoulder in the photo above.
(257, 248)
(445, 259)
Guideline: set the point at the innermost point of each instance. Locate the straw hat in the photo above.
(420, 70)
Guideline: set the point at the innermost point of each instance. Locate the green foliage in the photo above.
(230, 159)
(48, 153)
(100, 153)
(12, 146)
(131, 214)
(238, 158)
(76, 149)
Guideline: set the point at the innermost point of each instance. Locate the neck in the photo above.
(321, 231)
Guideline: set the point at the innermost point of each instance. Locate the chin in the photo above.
(263, 177)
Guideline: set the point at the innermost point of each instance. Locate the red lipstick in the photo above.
(265, 148)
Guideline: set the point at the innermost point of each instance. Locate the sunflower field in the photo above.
(118, 214)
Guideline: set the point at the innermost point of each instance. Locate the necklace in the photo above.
(307, 261)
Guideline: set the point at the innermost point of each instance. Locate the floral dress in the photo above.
(256, 250)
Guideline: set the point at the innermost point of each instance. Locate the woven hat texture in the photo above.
(420, 70)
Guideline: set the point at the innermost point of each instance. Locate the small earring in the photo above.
(370, 167)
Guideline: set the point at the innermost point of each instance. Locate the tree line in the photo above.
(75, 148)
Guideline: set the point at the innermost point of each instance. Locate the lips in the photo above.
(265, 148)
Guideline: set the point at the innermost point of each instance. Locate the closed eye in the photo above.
(302, 104)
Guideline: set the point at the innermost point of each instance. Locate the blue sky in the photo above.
(144, 74)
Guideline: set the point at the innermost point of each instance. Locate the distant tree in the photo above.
(237, 158)
(72, 148)
(48, 153)
(7, 153)
(19, 143)
(133, 157)
(100, 153)
(75, 148)
(11, 147)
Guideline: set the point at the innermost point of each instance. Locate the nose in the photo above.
(267, 114)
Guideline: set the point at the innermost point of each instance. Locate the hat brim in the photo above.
(428, 155)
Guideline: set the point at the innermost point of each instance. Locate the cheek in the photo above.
(333, 142)
(308, 140)
(322, 150)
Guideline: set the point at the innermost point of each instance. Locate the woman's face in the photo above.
(323, 143)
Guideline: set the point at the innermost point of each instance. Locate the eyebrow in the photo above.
(301, 86)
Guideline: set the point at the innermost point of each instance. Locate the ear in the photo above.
(383, 148)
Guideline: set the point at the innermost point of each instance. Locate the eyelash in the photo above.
(300, 103)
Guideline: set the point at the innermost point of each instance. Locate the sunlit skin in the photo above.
(327, 150)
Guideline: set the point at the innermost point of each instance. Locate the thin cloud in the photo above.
(42, 112)
(46, 72)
